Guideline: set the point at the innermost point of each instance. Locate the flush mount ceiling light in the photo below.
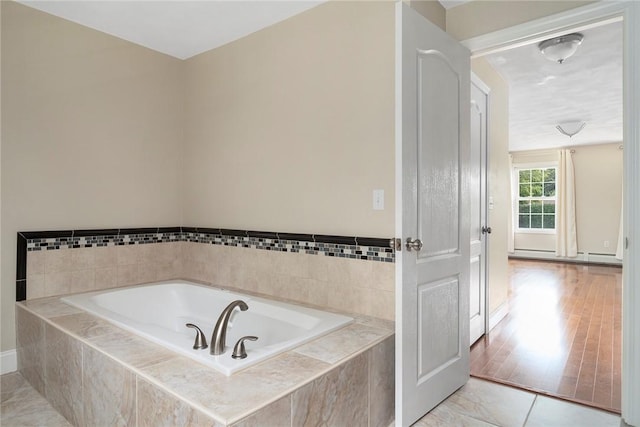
(558, 49)
(570, 128)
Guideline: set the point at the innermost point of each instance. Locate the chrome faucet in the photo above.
(219, 336)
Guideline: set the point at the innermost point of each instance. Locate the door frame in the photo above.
(475, 79)
(573, 20)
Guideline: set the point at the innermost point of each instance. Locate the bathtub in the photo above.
(159, 312)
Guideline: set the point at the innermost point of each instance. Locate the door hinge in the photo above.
(395, 244)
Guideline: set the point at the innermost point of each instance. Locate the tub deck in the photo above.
(95, 373)
(159, 312)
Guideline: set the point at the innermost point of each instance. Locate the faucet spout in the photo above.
(219, 336)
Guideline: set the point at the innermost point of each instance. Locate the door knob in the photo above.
(486, 230)
(415, 245)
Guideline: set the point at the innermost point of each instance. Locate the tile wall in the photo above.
(353, 274)
(64, 271)
(94, 373)
(350, 285)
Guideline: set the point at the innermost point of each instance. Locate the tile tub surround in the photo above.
(343, 273)
(343, 284)
(95, 373)
(66, 271)
(22, 405)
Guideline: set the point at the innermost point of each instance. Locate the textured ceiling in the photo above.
(178, 28)
(587, 87)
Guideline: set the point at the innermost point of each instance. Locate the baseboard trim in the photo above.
(8, 361)
(582, 258)
(498, 314)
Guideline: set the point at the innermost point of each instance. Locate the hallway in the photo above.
(562, 336)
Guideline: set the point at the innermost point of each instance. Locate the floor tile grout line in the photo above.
(526, 419)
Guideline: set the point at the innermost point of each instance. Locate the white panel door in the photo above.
(478, 197)
(432, 283)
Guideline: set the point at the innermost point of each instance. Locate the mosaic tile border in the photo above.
(75, 242)
(363, 248)
(312, 246)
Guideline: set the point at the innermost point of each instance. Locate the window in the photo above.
(537, 199)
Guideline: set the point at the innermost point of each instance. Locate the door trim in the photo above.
(584, 17)
(544, 28)
(487, 91)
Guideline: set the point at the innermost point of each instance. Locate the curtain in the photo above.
(510, 220)
(620, 248)
(566, 240)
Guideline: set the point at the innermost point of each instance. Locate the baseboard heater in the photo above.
(582, 258)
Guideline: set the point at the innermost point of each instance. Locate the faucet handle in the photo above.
(239, 351)
(201, 341)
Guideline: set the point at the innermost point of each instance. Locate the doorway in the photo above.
(575, 356)
(482, 45)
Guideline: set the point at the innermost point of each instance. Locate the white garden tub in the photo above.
(160, 311)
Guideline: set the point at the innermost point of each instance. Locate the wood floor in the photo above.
(562, 335)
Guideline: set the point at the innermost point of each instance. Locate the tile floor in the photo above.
(482, 403)
(22, 405)
(479, 403)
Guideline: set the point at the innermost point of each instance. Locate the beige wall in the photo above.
(299, 143)
(292, 128)
(430, 9)
(95, 125)
(2, 298)
(598, 196)
(91, 134)
(498, 177)
(476, 18)
(598, 174)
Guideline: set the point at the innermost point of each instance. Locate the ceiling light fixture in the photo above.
(570, 128)
(558, 49)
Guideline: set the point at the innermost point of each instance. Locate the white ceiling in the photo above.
(178, 28)
(587, 87)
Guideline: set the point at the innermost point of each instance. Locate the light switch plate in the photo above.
(378, 200)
